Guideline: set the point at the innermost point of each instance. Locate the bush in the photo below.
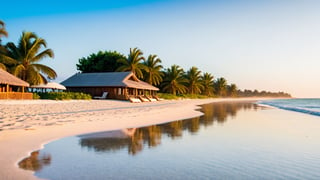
(36, 96)
(64, 95)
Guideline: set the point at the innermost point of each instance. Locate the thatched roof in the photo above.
(50, 85)
(107, 79)
(7, 78)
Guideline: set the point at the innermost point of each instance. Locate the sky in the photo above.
(271, 45)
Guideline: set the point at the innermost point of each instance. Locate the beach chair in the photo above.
(134, 100)
(103, 96)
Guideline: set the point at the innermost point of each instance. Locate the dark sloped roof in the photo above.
(7, 78)
(107, 79)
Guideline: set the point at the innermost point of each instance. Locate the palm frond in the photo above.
(42, 55)
(45, 70)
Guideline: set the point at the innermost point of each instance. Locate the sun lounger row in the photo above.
(139, 99)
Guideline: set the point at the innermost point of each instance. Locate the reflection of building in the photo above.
(12, 87)
(119, 85)
(137, 138)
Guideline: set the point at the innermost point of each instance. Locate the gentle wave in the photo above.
(307, 106)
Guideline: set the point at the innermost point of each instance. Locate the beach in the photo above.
(27, 125)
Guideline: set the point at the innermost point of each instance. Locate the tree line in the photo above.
(173, 80)
(23, 60)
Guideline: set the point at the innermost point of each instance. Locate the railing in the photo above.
(15, 95)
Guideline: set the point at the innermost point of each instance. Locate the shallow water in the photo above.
(303, 105)
(231, 141)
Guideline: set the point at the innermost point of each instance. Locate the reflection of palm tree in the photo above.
(193, 124)
(136, 143)
(35, 162)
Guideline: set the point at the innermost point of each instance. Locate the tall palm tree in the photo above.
(207, 83)
(194, 84)
(3, 32)
(232, 90)
(174, 80)
(133, 63)
(25, 59)
(221, 86)
(152, 71)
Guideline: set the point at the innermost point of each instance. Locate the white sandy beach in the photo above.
(27, 125)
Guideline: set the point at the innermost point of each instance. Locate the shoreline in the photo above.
(44, 121)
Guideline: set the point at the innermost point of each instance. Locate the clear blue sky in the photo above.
(269, 45)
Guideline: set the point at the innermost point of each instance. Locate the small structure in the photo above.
(119, 85)
(12, 87)
(49, 87)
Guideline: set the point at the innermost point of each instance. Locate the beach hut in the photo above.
(49, 87)
(119, 85)
(12, 87)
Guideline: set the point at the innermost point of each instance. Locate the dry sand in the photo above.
(25, 126)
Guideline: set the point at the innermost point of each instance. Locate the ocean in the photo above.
(306, 105)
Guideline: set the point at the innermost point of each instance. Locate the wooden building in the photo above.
(119, 85)
(12, 87)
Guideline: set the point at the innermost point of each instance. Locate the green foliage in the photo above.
(103, 61)
(152, 72)
(167, 96)
(174, 80)
(36, 96)
(64, 95)
(133, 63)
(23, 59)
(193, 77)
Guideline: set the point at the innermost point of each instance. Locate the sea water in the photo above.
(230, 141)
(308, 105)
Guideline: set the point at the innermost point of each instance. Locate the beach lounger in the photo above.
(104, 96)
(143, 99)
(134, 100)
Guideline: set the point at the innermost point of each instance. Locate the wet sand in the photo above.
(26, 126)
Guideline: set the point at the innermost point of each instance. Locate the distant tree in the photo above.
(152, 72)
(232, 90)
(133, 63)
(103, 61)
(207, 84)
(220, 86)
(25, 56)
(174, 80)
(193, 76)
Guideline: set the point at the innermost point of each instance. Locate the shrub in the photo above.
(64, 95)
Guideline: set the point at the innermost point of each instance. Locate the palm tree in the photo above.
(174, 80)
(3, 32)
(232, 90)
(207, 83)
(194, 84)
(25, 57)
(221, 86)
(152, 71)
(133, 63)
